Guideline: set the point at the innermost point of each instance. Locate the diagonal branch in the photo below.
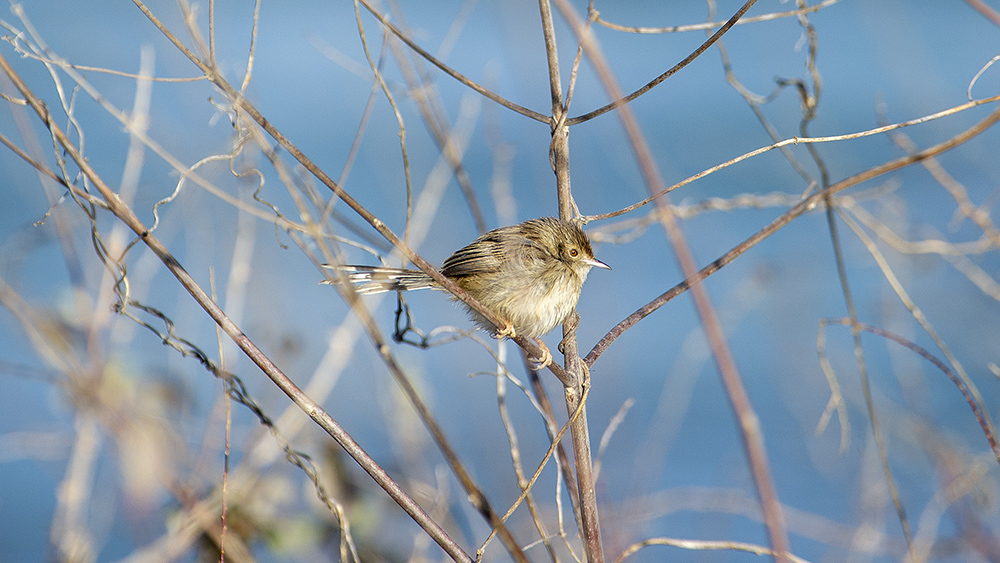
(656, 81)
(452, 72)
(800, 208)
(311, 408)
(981, 416)
(237, 99)
(747, 420)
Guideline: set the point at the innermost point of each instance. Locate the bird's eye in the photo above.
(574, 252)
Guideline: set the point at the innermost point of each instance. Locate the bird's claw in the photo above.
(507, 331)
(543, 362)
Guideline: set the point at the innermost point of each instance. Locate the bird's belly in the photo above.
(537, 309)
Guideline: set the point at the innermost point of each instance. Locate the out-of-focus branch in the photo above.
(802, 207)
(747, 420)
(452, 72)
(782, 144)
(986, 11)
(244, 104)
(315, 411)
(977, 411)
(704, 26)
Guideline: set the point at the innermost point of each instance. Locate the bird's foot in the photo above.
(546, 359)
(506, 331)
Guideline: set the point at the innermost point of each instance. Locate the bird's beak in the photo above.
(596, 263)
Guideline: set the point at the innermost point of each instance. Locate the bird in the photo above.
(529, 275)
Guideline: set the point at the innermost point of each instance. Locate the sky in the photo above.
(95, 399)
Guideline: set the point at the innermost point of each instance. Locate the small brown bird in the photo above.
(530, 275)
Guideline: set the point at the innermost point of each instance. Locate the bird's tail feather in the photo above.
(369, 280)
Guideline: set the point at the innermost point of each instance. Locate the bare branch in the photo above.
(315, 411)
(802, 207)
(656, 81)
(452, 72)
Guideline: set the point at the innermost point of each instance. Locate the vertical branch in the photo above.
(559, 149)
(746, 417)
(809, 104)
(574, 391)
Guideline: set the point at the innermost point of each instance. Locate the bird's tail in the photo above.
(368, 280)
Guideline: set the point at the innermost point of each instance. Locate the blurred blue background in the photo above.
(675, 465)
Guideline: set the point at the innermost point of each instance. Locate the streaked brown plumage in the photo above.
(529, 275)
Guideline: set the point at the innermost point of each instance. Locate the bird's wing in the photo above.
(488, 254)
(483, 256)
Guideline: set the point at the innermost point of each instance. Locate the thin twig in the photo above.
(573, 417)
(802, 207)
(793, 141)
(977, 409)
(452, 72)
(315, 411)
(424, 93)
(518, 465)
(564, 467)
(575, 390)
(320, 175)
(705, 545)
(919, 316)
(399, 122)
(704, 26)
(747, 421)
(622, 100)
